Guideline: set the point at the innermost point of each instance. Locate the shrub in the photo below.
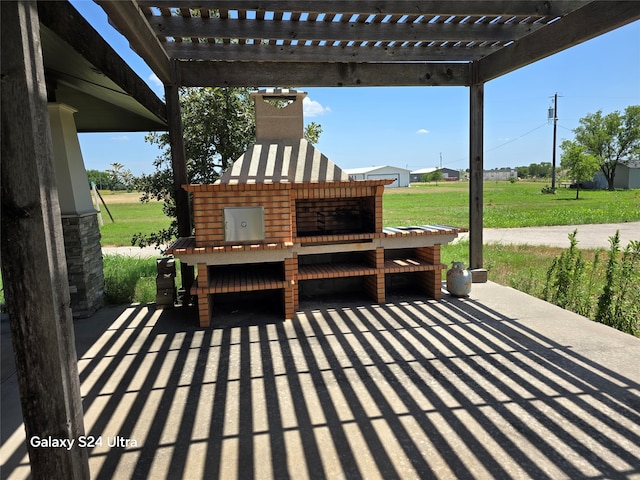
(618, 303)
(571, 285)
(565, 280)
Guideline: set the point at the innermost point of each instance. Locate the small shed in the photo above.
(627, 175)
(385, 172)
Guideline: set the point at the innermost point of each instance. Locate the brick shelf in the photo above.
(243, 278)
(340, 238)
(405, 265)
(331, 270)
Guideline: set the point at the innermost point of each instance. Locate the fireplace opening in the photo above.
(335, 216)
(338, 290)
(253, 307)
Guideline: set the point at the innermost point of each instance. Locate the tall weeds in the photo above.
(574, 285)
(618, 303)
(129, 279)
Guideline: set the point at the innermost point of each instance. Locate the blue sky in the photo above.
(413, 127)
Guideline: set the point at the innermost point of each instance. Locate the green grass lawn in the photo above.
(130, 218)
(507, 205)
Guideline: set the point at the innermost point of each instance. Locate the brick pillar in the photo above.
(84, 263)
(374, 284)
(429, 255)
(431, 281)
(204, 299)
(290, 299)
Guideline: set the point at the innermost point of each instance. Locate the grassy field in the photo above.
(508, 205)
(129, 216)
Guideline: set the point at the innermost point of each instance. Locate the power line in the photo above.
(517, 138)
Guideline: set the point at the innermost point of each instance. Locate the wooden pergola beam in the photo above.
(34, 269)
(590, 21)
(476, 176)
(394, 7)
(129, 20)
(186, 27)
(311, 74)
(65, 21)
(343, 54)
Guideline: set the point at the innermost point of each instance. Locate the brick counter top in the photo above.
(187, 246)
(419, 230)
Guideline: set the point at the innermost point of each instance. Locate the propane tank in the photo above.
(458, 280)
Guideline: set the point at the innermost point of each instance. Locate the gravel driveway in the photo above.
(589, 236)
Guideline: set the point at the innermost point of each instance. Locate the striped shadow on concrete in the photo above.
(410, 389)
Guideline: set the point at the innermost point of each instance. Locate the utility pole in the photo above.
(555, 128)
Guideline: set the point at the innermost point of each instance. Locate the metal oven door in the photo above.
(243, 224)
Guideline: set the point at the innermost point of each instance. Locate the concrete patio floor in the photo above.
(499, 385)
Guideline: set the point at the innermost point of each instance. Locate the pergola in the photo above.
(357, 43)
(268, 43)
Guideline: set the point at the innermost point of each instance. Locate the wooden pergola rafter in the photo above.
(355, 43)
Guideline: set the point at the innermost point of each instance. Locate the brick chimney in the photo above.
(278, 114)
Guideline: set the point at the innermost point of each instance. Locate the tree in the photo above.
(523, 172)
(434, 176)
(101, 179)
(612, 139)
(580, 165)
(121, 178)
(218, 126)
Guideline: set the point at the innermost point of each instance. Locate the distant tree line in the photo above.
(116, 178)
(537, 170)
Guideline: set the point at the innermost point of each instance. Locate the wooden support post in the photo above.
(32, 250)
(476, 167)
(179, 166)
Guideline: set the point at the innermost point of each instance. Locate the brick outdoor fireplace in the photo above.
(284, 217)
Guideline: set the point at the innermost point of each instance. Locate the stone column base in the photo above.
(84, 263)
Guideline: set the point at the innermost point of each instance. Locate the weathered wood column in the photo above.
(476, 167)
(179, 166)
(33, 259)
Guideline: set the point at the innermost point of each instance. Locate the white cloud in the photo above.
(155, 81)
(422, 131)
(312, 108)
(122, 138)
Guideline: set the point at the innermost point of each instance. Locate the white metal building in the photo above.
(400, 175)
(627, 176)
